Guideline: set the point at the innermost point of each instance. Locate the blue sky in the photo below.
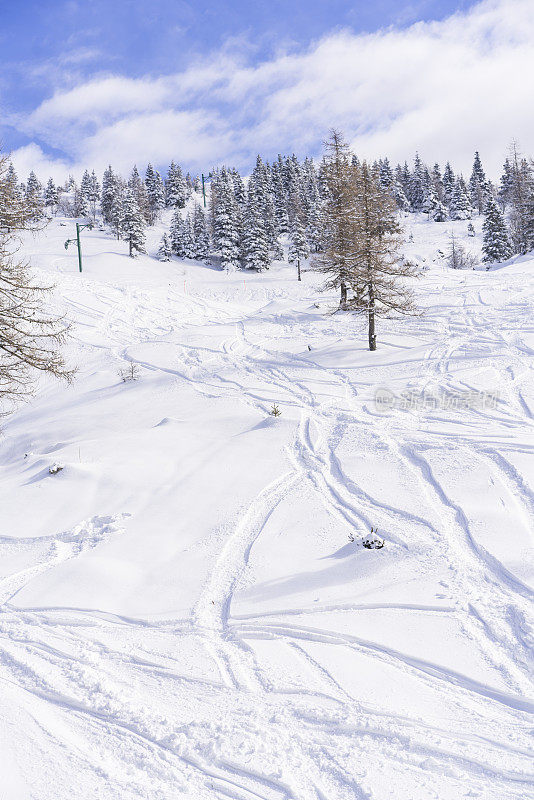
(206, 82)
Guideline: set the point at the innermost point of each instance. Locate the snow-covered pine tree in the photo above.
(137, 185)
(260, 184)
(478, 185)
(416, 187)
(201, 235)
(496, 241)
(386, 173)
(239, 187)
(313, 228)
(51, 197)
(437, 181)
(255, 244)
(298, 243)
(529, 222)
(188, 237)
(116, 215)
(403, 204)
(430, 201)
(189, 185)
(460, 207)
(225, 220)
(33, 195)
(504, 193)
(85, 195)
(440, 214)
(280, 200)
(176, 234)
(108, 193)
(522, 185)
(94, 194)
(14, 211)
(155, 192)
(133, 224)
(175, 187)
(165, 249)
(449, 181)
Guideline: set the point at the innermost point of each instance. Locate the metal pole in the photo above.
(79, 246)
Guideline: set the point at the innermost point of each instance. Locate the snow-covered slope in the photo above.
(183, 613)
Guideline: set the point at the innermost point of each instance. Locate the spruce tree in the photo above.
(239, 187)
(94, 194)
(416, 187)
(200, 235)
(155, 193)
(460, 207)
(116, 215)
(133, 224)
(177, 234)
(449, 182)
(437, 182)
(496, 242)
(108, 193)
(165, 250)
(439, 213)
(298, 243)
(188, 237)
(521, 187)
(34, 195)
(313, 228)
(506, 185)
(430, 201)
(175, 187)
(255, 245)
(51, 197)
(478, 185)
(225, 220)
(279, 197)
(137, 185)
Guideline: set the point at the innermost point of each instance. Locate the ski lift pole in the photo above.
(78, 241)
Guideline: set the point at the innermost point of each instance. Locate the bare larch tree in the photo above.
(362, 239)
(30, 336)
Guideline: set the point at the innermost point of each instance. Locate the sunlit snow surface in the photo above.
(182, 612)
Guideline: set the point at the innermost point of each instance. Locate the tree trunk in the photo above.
(371, 314)
(131, 249)
(298, 269)
(343, 298)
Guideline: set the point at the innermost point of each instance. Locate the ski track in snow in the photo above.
(113, 698)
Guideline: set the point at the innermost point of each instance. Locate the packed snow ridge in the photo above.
(187, 607)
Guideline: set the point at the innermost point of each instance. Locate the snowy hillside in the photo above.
(183, 612)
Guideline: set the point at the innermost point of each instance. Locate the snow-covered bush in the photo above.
(373, 541)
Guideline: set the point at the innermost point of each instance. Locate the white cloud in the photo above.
(31, 157)
(443, 88)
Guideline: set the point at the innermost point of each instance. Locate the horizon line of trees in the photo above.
(247, 217)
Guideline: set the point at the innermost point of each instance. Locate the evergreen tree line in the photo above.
(286, 198)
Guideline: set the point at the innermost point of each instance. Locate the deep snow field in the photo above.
(182, 612)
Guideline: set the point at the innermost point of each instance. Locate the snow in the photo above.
(183, 613)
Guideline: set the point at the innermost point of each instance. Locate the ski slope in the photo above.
(183, 613)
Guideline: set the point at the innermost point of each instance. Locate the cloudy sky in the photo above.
(92, 82)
